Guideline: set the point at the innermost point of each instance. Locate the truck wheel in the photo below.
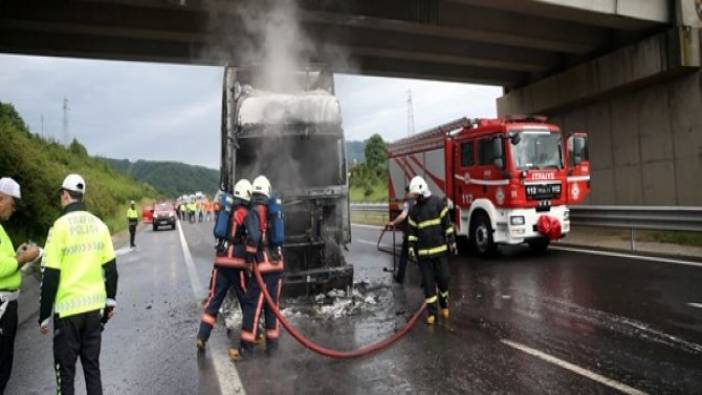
(539, 245)
(155, 228)
(481, 236)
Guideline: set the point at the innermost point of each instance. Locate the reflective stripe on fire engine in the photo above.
(432, 251)
(578, 178)
(477, 181)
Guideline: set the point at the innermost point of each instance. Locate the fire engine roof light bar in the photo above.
(525, 117)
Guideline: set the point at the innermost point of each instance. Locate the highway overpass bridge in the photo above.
(625, 70)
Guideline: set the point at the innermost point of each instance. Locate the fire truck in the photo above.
(506, 181)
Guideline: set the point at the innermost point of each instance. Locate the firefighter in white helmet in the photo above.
(269, 261)
(431, 238)
(230, 264)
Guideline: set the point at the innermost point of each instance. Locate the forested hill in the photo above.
(171, 178)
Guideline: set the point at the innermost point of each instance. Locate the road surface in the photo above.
(561, 322)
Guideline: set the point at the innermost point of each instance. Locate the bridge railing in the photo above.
(633, 218)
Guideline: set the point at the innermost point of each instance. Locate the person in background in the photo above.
(11, 262)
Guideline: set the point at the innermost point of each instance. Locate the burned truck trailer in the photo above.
(292, 134)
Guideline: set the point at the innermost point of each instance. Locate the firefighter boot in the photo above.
(431, 319)
(242, 353)
(200, 344)
(445, 313)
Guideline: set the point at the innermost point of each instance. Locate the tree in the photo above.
(77, 148)
(375, 155)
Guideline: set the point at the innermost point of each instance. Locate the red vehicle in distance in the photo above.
(164, 215)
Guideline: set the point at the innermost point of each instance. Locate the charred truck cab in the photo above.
(292, 134)
(507, 180)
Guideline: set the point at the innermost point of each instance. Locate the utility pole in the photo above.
(65, 121)
(410, 114)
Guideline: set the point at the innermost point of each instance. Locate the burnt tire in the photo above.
(539, 245)
(481, 236)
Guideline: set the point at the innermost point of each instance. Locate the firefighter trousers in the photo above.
(8, 331)
(221, 281)
(255, 305)
(435, 275)
(76, 336)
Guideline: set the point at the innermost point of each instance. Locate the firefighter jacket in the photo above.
(266, 261)
(430, 228)
(242, 242)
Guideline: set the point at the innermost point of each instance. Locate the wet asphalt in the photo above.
(560, 322)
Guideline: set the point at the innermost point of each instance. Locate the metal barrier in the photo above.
(622, 217)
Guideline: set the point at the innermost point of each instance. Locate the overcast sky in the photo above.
(159, 111)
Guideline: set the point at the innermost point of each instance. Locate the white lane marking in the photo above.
(122, 251)
(574, 368)
(629, 256)
(693, 304)
(227, 373)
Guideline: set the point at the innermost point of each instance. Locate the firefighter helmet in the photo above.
(242, 189)
(419, 187)
(262, 185)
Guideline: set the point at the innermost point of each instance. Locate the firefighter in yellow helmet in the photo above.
(10, 278)
(431, 238)
(79, 284)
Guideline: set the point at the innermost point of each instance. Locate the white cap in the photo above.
(10, 187)
(74, 182)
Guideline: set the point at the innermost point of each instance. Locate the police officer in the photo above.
(10, 278)
(230, 264)
(269, 260)
(431, 237)
(79, 283)
(133, 219)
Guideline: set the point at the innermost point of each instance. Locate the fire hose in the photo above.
(326, 351)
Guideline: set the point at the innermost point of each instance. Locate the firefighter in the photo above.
(269, 261)
(79, 284)
(407, 205)
(431, 236)
(10, 278)
(231, 261)
(133, 220)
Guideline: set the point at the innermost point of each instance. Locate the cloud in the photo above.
(154, 111)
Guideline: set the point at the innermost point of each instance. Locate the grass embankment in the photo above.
(40, 166)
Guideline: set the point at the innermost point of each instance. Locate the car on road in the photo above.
(147, 213)
(164, 215)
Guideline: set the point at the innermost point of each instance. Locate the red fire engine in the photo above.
(507, 181)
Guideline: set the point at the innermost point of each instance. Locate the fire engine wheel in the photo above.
(481, 236)
(539, 245)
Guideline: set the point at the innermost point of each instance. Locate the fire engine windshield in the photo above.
(536, 150)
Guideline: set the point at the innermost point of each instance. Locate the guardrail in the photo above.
(623, 217)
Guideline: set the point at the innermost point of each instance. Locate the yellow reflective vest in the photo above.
(78, 245)
(132, 213)
(10, 277)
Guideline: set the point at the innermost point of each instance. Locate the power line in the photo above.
(65, 121)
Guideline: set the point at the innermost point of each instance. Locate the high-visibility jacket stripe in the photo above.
(430, 300)
(432, 251)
